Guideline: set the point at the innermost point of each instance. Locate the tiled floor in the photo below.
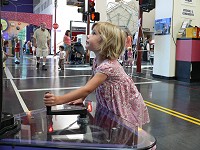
(174, 106)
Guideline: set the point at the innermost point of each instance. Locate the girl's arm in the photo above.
(92, 84)
(80, 100)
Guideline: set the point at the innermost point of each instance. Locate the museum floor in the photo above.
(174, 106)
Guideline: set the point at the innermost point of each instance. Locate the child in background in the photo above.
(5, 56)
(130, 56)
(125, 59)
(61, 57)
(5, 46)
(17, 51)
(115, 90)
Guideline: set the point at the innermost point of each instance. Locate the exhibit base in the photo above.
(9, 126)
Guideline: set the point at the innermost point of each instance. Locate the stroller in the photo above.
(77, 53)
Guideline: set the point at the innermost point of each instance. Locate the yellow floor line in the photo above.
(174, 113)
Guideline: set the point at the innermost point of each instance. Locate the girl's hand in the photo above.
(78, 101)
(50, 99)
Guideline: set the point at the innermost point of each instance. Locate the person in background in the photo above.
(27, 47)
(127, 45)
(115, 90)
(130, 57)
(61, 57)
(5, 53)
(67, 45)
(41, 41)
(134, 45)
(125, 58)
(146, 48)
(128, 40)
(135, 38)
(17, 51)
(5, 46)
(24, 47)
(30, 47)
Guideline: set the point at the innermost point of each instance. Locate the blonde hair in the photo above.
(113, 40)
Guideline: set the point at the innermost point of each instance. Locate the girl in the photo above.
(115, 90)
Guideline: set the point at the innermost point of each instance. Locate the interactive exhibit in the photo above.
(74, 127)
(85, 126)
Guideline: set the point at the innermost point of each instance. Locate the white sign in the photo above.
(189, 2)
(188, 12)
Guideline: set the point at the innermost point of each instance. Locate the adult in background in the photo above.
(135, 38)
(127, 45)
(67, 45)
(146, 47)
(41, 41)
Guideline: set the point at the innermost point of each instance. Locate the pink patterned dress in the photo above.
(119, 93)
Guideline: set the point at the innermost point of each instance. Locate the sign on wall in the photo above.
(188, 12)
(162, 26)
(189, 2)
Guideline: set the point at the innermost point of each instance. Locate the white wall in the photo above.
(101, 8)
(165, 45)
(197, 13)
(163, 66)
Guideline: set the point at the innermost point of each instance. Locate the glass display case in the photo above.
(98, 129)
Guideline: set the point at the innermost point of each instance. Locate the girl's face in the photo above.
(93, 41)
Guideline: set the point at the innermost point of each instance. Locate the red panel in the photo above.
(188, 50)
(74, 34)
(195, 50)
(29, 18)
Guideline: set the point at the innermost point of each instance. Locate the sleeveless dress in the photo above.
(119, 94)
(17, 47)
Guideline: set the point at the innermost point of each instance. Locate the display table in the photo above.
(188, 59)
(102, 131)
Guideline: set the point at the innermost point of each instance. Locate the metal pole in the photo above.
(1, 76)
(55, 29)
(139, 48)
(88, 32)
